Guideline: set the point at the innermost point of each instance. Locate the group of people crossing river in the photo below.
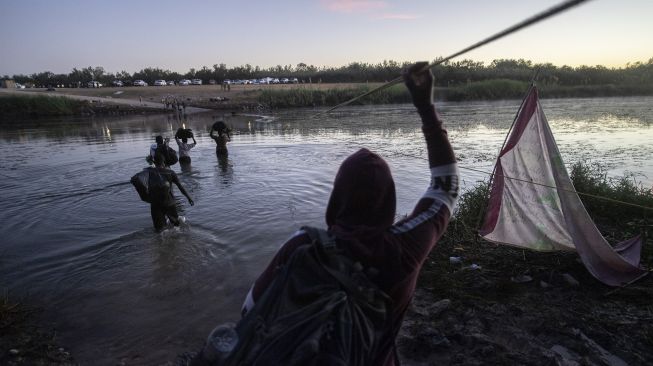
(155, 183)
(335, 296)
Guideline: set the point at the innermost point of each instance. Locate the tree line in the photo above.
(449, 73)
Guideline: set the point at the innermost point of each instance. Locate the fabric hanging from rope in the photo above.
(545, 219)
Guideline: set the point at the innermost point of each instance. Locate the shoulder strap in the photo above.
(320, 236)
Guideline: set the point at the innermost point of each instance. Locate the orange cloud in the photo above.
(353, 6)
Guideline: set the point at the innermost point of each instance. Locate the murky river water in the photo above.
(77, 240)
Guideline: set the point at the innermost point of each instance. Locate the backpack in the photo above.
(321, 309)
(171, 156)
(141, 182)
(159, 187)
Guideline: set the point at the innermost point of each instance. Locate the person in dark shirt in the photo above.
(361, 213)
(162, 202)
(221, 139)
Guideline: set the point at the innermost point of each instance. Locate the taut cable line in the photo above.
(523, 24)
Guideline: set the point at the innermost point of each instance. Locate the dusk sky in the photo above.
(57, 35)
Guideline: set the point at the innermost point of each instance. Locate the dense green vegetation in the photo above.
(481, 90)
(448, 74)
(25, 106)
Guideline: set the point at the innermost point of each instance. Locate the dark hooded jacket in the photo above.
(361, 213)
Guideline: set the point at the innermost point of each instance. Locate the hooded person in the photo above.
(361, 213)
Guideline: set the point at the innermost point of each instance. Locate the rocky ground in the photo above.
(24, 342)
(505, 306)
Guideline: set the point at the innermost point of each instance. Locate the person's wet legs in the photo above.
(158, 217)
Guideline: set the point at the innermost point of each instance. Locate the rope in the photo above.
(523, 24)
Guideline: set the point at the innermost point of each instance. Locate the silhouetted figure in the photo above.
(221, 139)
(162, 201)
(360, 217)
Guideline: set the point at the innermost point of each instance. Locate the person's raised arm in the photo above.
(175, 180)
(193, 137)
(419, 81)
(212, 135)
(444, 186)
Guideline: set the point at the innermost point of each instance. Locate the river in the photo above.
(77, 241)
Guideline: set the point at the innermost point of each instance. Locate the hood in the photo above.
(362, 203)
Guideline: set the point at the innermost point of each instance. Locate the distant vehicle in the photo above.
(226, 81)
(140, 83)
(238, 82)
(196, 82)
(212, 82)
(184, 82)
(284, 80)
(275, 81)
(160, 83)
(117, 83)
(294, 80)
(93, 84)
(20, 86)
(171, 82)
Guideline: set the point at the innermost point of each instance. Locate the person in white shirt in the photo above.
(184, 149)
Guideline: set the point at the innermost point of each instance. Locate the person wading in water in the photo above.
(162, 202)
(221, 139)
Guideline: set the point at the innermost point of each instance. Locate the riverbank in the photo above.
(23, 341)
(498, 305)
(274, 96)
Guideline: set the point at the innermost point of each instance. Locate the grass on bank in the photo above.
(482, 90)
(28, 106)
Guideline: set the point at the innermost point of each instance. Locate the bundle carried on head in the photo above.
(220, 126)
(184, 133)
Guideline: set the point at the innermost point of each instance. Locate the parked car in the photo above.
(160, 83)
(184, 82)
(140, 83)
(93, 84)
(20, 86)
(170, 82)
(274, 81)
(117, 83)
(196, 82)
(294, 80)
(212, 82)
(226, 81)
(284, 80)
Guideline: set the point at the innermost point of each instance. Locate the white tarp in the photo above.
(525, 211)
